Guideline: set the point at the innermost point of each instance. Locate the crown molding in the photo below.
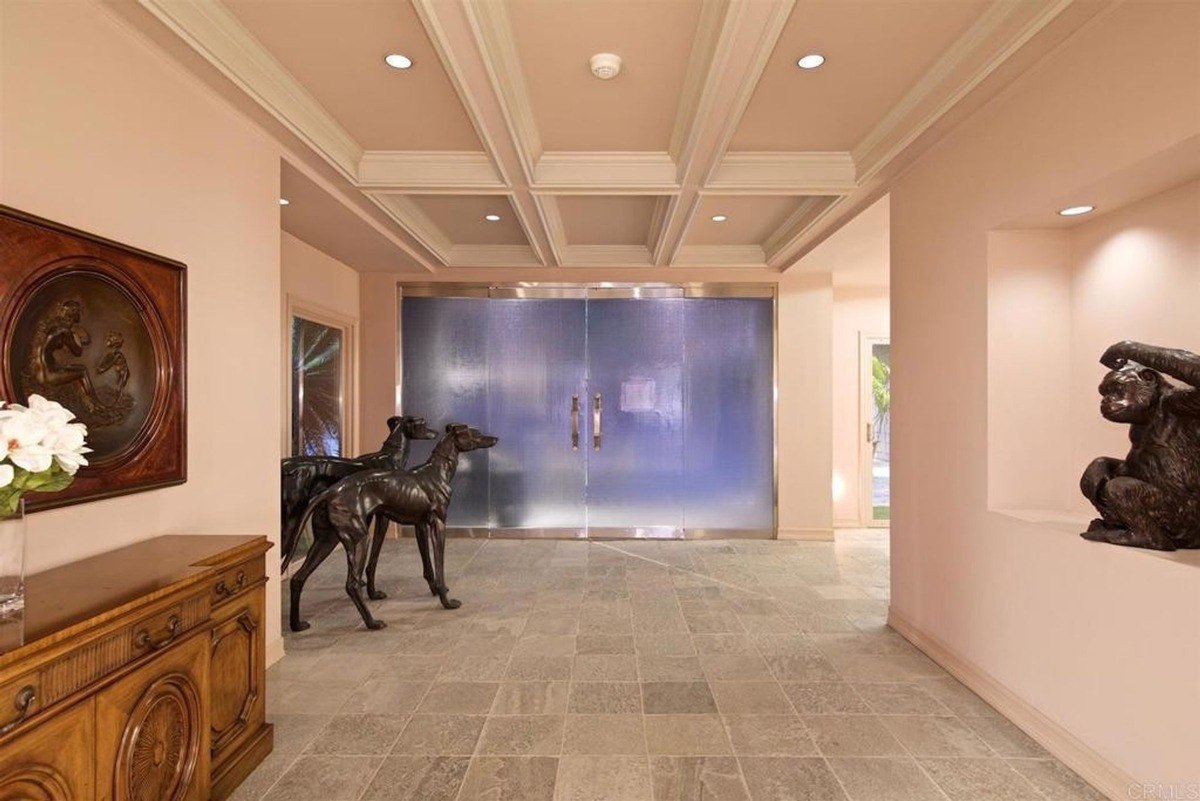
(217, 35)
(607, 256)
(431, 172)
(493, 256)
(748, 34)
(783, 174)
(720, 256)
(810, 212)
(998, 33)
(620, 173)
(408, 214)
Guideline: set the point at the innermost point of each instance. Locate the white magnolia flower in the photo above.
(6, 475)
(23, 435)
(67, 445)
(50, 413)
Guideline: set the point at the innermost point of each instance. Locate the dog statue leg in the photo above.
(323, 545)
(381, 527)
(437, 547)
(357, 544)
(427, 567)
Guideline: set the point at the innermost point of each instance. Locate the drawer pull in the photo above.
(224, 590)
(23, 703)
(143, 639)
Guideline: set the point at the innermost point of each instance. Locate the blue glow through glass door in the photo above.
(635, 375)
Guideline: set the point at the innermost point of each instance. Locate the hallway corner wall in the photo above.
(1092, 647)
(101, 132)
(379, 355)
(805, 435)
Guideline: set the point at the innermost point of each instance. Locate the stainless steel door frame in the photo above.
(615, 289)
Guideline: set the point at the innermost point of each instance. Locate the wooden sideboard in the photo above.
(138, 675)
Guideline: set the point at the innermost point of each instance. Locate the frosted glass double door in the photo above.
(617, 416)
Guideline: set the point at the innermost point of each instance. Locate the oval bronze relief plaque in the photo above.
(80, 339)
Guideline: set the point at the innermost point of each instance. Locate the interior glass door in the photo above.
(635, 404)
(621, 412)
(536, 387)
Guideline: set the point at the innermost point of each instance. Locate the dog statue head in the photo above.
(466, 438)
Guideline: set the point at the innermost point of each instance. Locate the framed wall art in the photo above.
(99, 327)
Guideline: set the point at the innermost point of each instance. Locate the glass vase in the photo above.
(12, 561)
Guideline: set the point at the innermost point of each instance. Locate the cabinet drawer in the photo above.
(20, 699)
(53, 760)
(235, 581)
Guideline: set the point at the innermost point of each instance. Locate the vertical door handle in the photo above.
(574, 422)
(596, 433)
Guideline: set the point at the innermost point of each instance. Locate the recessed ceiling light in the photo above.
(1075, 211)
(811, 61)
(719, 218)
(283, 201)
(492, 217)
(397, 61)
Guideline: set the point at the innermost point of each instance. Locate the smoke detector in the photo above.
(606, 66)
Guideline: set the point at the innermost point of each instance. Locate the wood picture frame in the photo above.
(100, 327)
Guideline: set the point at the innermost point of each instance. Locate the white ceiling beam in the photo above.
(475, 44)
(720, 256)
(493, 256)
(749, 30)
(615, 173)
(783, 174)
(430, 172)
(607, 256)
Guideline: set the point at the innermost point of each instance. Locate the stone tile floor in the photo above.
(633, 671)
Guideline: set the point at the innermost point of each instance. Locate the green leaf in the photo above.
(55, 481)
(9, 499)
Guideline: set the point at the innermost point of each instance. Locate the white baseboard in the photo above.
(1073, 752)
(815, 534)
(274, 650)
(848, 522)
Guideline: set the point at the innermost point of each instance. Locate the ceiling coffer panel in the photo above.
(337, 49)
(875, 51)
(574, 110)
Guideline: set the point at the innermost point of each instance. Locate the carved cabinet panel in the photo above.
(152, 729)
(236, 666)
(52, 762)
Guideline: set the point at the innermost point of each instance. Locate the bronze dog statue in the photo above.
(420, 497)
(303, 478)
(1151, 498)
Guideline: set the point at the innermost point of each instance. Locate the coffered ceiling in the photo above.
(500, 116)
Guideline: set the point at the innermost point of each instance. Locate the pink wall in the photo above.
(97, 131)
(317, 279)
(1098, 645)
(1029, 344)
(1136, 271)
